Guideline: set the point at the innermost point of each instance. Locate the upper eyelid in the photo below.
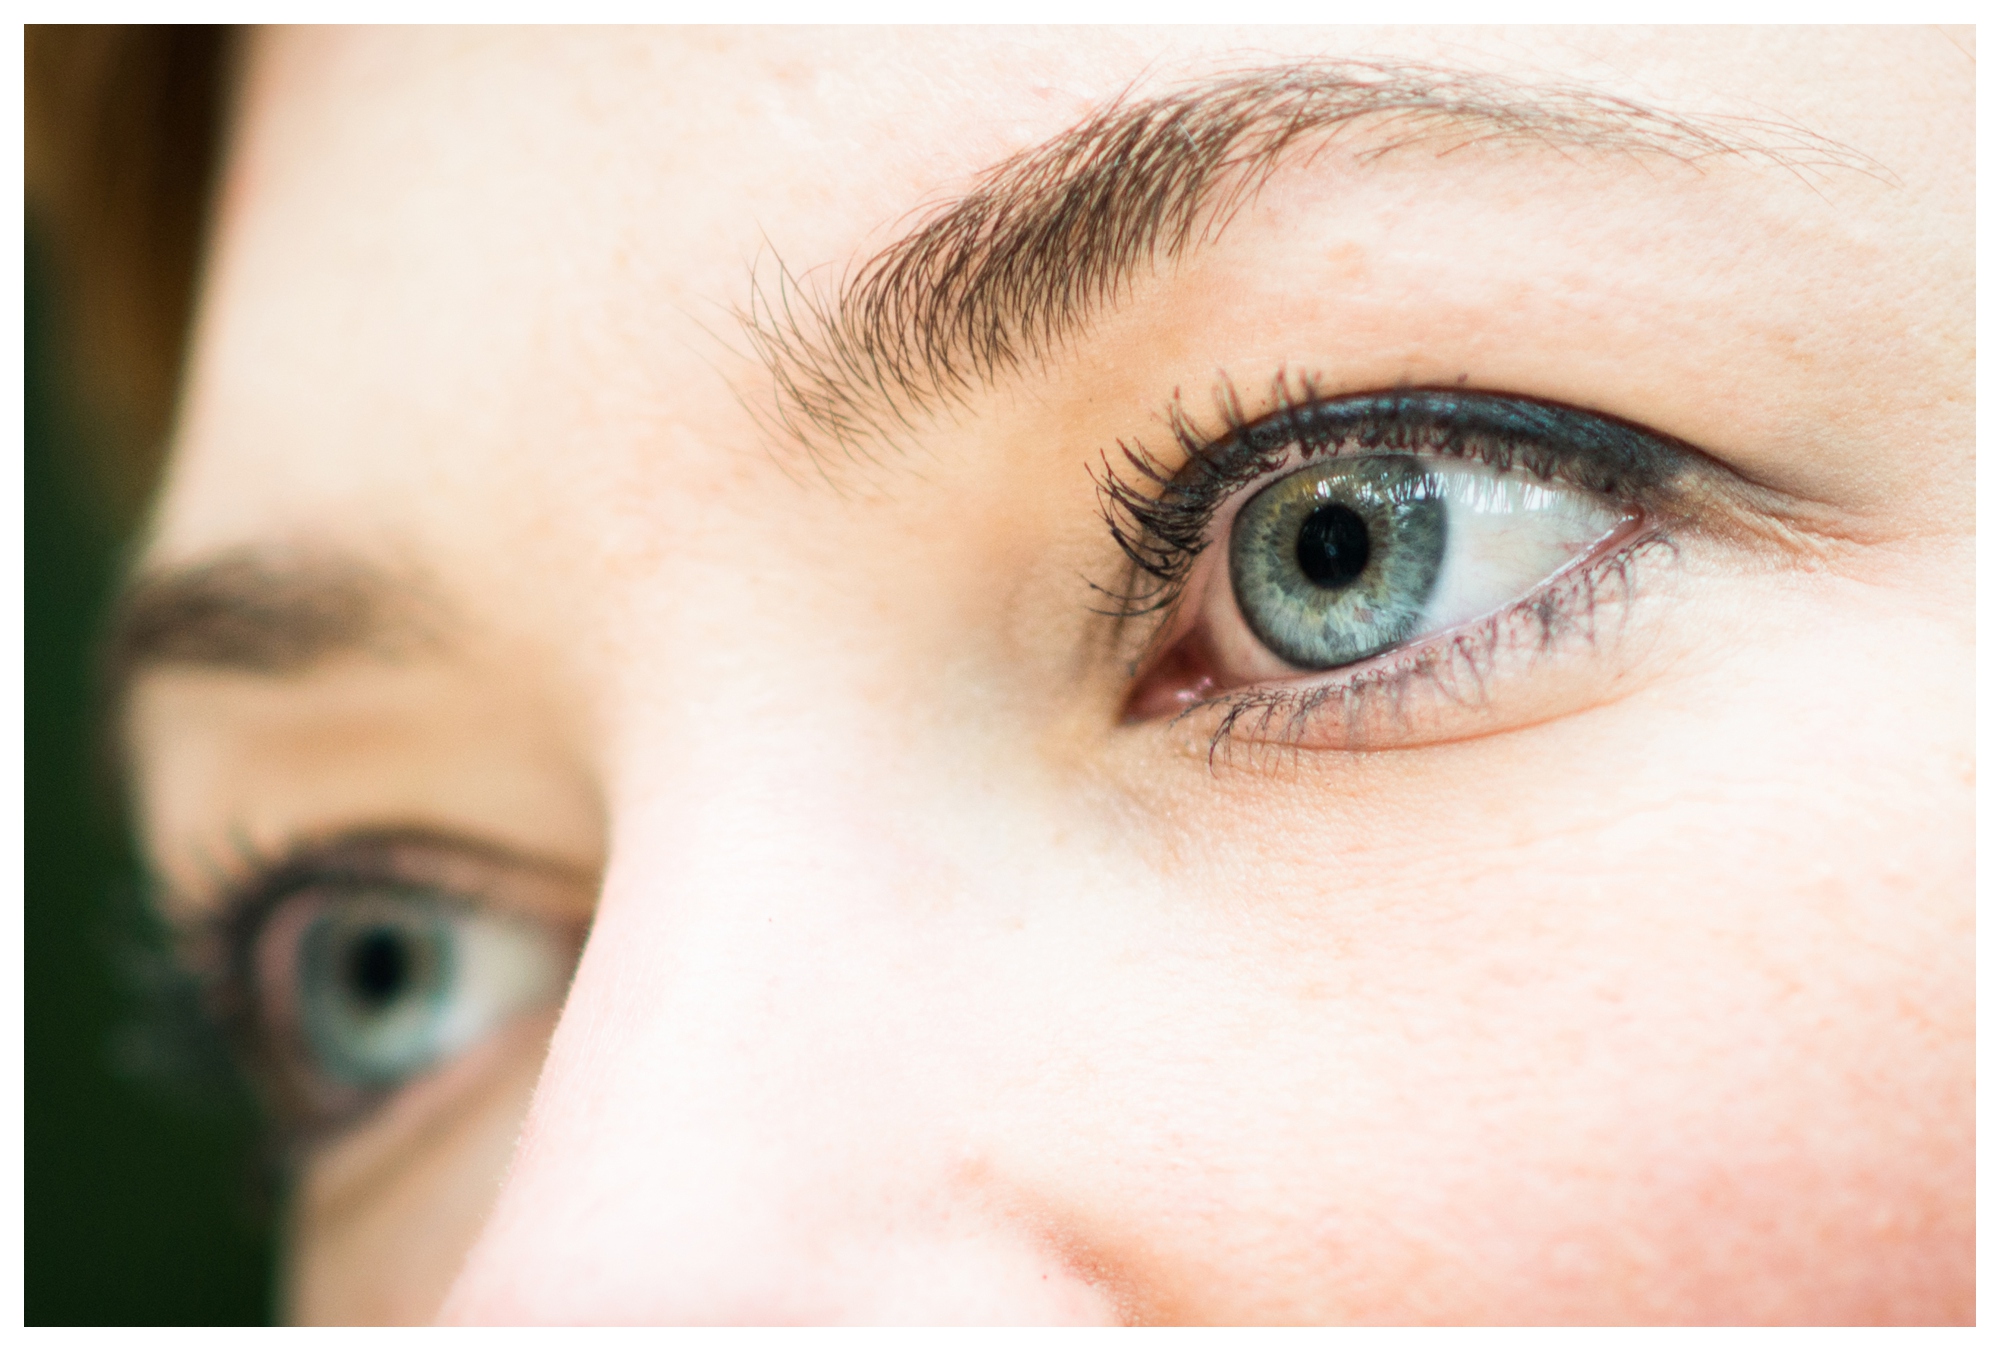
(1629, 458)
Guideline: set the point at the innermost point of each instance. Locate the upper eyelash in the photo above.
(1160, 518)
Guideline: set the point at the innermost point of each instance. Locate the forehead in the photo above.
(484, 268)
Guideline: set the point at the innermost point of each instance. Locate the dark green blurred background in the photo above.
(143, 1205)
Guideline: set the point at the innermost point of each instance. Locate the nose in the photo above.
(776, 1091)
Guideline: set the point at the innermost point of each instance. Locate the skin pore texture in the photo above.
(1623, 976)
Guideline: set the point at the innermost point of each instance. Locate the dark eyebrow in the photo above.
(262, 612)
(999, 277)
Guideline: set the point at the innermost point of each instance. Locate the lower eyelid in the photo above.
(1446, 687)
(349, 1155)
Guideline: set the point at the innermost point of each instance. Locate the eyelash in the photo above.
(1161, 520)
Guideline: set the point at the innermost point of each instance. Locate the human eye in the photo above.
(1382, 569)
(351, 970)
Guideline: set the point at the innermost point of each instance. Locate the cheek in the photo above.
(1580, 1080)
(1661, 1011)
(1518, 1029)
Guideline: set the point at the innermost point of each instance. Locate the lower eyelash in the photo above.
(1455, 665)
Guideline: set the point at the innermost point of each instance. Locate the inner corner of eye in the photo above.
(1183, 675)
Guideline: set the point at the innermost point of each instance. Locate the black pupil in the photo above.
(378, 967)
(1333, 546)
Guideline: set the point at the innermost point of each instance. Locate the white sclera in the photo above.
(1507, 535)
(502, 966)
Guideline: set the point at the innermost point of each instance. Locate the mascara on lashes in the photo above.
(1589, 449)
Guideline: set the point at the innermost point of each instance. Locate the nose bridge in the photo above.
(752, 1106)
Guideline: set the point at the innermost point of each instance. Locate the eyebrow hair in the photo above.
(1000, 277)
(261, 612)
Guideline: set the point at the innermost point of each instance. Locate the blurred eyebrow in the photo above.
(1000, 277)
(262, 613)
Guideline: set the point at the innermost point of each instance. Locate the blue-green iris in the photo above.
(375, 981)
(1337, 562)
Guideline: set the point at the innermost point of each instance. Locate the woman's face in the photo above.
(657, 507)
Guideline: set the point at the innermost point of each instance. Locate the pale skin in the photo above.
(924, 981)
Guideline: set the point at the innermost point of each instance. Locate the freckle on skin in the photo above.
(1350, 258)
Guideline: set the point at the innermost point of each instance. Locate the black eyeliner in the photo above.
(1548, 440)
